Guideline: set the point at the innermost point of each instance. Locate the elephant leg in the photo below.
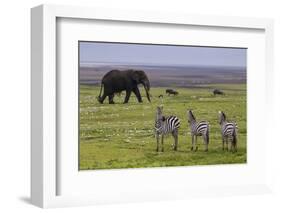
(110, 98)
(128, 94)
(138, 95)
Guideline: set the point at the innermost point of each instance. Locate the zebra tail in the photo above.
(235, 138)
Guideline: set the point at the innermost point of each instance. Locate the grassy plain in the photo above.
(122, 135)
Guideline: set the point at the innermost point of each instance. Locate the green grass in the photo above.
(122, 135)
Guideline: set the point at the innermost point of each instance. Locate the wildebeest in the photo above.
(218, 92)
(160, 96)
(171, 91)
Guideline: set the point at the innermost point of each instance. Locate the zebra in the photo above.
(228, 132)
(200, 128)
(165, 125)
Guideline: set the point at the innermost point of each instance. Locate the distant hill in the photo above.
(172, 75)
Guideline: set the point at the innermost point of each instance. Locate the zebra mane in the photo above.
(191, 115)
(159, 112)
(222, 117)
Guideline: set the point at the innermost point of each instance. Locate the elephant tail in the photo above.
(99, 97)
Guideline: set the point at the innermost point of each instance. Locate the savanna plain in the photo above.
(114, 136)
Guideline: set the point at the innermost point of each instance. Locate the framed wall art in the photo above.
(130, 106)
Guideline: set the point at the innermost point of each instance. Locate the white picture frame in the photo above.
(44, 135)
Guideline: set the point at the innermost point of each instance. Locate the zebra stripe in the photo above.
(167, 125)
(228, 129)
(199, 128)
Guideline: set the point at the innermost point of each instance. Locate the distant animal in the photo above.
(200, 128)
(171, 92)
(160, 96)
(218, 92)
(174, 93)
(116, 81)
(165, 125)
(228, 132)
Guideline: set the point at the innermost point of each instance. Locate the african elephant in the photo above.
(116, 81)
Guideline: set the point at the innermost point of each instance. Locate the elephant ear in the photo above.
(136, 76)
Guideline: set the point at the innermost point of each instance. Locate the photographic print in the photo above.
(156, 105)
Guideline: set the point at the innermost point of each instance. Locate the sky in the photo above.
(95, 52)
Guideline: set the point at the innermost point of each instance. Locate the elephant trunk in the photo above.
(99, 97)
(147, 88)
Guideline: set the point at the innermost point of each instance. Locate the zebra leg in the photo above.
(192, 136)
(207, 140)
(157, 139)
(195, 142)
(229, 145)
(222, 143)
(206, 143)
(235, 143)
(235, 146)
(162, 142)
(175, 134)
